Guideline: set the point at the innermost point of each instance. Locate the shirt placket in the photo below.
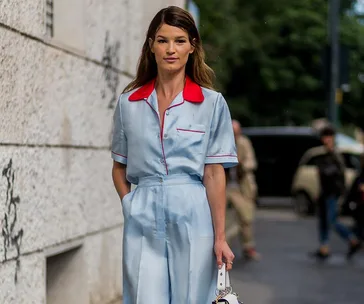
(163, 135)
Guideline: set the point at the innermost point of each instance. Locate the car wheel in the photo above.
(302, 205)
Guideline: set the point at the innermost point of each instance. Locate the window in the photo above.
(352, 161)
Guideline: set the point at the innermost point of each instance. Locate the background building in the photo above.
(63, 64)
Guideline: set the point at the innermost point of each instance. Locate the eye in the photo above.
(181, 41)
(161, 41)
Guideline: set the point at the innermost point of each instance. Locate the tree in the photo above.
(352, 35)
(268, 58)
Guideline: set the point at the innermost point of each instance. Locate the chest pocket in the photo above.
(190, 138)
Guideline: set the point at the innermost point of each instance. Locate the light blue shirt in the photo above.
(196, 130)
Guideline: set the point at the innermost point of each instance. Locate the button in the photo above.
(161, 180)
(165, 135)
(162, 160)
(167, 112)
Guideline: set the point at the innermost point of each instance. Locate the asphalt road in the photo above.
(287, 275)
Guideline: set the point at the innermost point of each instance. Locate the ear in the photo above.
(192, 47)
(150, 40)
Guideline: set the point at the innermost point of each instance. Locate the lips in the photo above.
(170, 59)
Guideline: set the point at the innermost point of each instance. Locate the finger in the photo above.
(229, 265)
(219, 259)
(229, 257)
(232, 257)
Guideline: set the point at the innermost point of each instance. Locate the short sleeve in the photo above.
(119, 149)
(221, 147)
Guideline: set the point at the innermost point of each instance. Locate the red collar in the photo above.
(191, 92)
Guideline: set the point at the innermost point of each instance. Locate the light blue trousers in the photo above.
(168, 243)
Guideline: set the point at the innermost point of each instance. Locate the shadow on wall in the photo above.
(110, 59)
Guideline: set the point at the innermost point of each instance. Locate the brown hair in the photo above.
(196, 68)
(328, 130)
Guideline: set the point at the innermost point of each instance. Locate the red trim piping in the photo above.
(176, 105)
(162, 131)
(160, 134)
(224, 155)
(192, 131)
(162, 127)
(119, 154)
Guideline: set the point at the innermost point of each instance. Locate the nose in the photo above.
(171, 48)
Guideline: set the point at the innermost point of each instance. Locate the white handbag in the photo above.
(224, 290)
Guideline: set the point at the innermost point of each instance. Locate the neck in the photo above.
(330, 148)
(170, 84)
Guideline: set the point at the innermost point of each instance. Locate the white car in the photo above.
(306, 186)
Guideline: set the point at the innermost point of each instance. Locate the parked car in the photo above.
(305, 186)
(278, 151)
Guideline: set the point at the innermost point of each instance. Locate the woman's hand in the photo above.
(121, 184)
(223, 254)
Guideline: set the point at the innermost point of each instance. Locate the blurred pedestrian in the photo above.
(331, 170)
(354, 202)
(172, 137)
(242, 190)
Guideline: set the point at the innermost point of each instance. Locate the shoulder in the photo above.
(320, 150)
(124, 97)
(214, 100)
(212, 96)
(312, 152)
(209, 94)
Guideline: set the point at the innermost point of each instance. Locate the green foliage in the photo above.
(352, 110)
(268, 58)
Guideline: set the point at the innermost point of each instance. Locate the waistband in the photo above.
(173, 179)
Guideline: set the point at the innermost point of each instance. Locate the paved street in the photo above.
(286, 275)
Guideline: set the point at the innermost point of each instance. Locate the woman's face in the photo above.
(171, 47)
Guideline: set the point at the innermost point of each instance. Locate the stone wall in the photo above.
(60, 217)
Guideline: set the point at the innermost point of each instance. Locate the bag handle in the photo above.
(223, 279)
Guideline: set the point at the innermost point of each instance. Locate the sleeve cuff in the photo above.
(119, 157)
(227, 161)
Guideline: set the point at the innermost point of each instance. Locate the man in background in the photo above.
(331, 170)
(242, 190)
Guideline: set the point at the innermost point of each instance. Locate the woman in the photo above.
(172, 137)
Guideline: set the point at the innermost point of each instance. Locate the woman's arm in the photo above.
(215, 184)
(121, 184)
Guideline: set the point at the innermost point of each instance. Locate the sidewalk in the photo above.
(286, 274)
